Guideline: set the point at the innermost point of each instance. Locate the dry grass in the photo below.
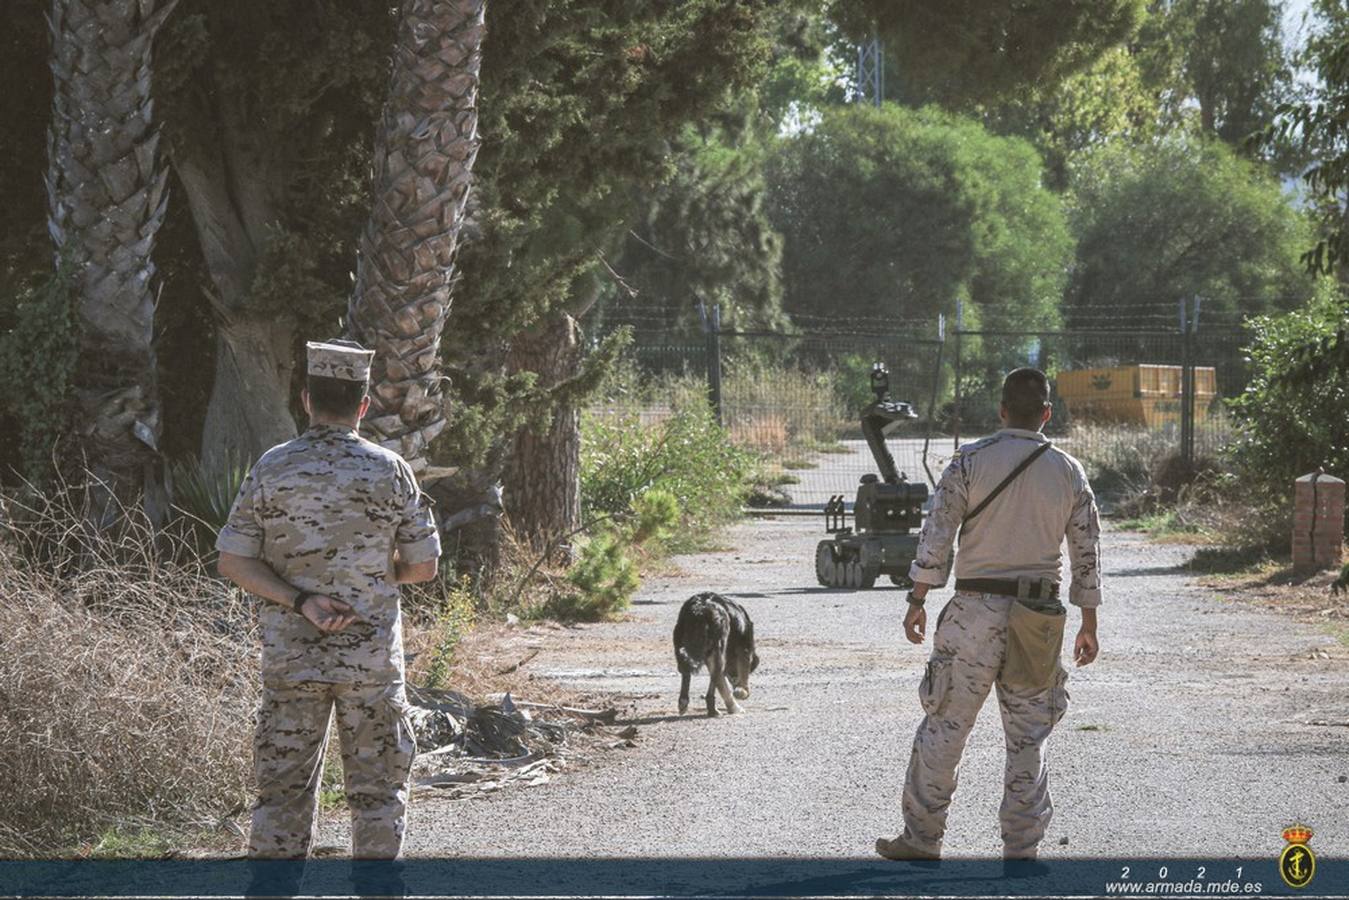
(766, 407)
(128, 675)
(1119, 459)
(803, 404)
(1237, 529)
(765, 432)
(444, 616)
(127, 678)
(496, 658)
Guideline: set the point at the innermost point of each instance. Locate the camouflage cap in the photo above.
(346, 360)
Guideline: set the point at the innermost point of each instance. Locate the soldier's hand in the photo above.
(1085, 648)
(327, 614)
(915, 624)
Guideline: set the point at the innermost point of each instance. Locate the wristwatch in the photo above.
(914, 601)
(298, 603)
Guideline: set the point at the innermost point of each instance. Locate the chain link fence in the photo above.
(1129, 403)
(798, 400)
(1132, 405)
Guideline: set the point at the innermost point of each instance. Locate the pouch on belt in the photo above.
(1034, 640)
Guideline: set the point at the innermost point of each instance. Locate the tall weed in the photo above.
(128, 675)
(687, 456)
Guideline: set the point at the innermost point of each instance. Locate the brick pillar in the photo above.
(1318, 521)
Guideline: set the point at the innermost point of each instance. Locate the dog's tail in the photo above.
(689, 640)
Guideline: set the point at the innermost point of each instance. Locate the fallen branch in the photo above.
(603, 715)
(515, 666)
(509, 762)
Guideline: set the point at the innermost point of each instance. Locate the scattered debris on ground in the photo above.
(468, 749)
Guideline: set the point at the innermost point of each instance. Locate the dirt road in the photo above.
(1203, 730)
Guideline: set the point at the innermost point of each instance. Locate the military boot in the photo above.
(898, 849)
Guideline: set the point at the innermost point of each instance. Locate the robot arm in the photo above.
(881, 416)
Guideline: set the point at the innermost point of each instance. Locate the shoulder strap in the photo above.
(1012, 476)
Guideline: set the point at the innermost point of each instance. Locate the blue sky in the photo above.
(1292, 19)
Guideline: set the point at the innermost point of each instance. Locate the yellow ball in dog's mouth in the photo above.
(741, 693)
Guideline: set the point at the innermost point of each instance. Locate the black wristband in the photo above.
(914, 601)
(298, 603)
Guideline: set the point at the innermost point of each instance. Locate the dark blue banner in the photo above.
(789, 877)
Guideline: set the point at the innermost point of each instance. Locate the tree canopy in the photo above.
(1319, 125)
(1226, 57)
(898, 213)
(705, 238)
(581, 100)
(947, 51)
(1108, 102)
(1183, 218)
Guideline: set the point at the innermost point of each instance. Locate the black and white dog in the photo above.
(718, 633)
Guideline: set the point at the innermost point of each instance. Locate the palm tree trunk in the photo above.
(424, 151)
(107, 194)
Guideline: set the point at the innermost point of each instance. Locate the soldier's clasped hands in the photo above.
(327, 614)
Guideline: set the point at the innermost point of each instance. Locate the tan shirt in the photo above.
(326, 511)
(1023, 530)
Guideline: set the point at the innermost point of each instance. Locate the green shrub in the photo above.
(604, 579)
(852, 384)
(687, 456)
(600, 584)
(655, 514)
(453, 620)
(43, 330)
(1285, 429)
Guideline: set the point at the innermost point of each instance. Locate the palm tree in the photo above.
(425, 146)
(106, 194)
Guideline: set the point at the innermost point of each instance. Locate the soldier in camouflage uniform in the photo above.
(325, 528)
(1013, 544)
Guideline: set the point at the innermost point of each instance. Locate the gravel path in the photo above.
(1192, 735)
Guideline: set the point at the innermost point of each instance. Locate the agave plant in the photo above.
(204, 494)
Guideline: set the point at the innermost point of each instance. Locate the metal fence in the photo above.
(1126, 400)
(1122, 400)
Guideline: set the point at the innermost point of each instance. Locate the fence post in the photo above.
(712, 326)
(936, 388)
(1188, 324)
(1184, 369)
(955, 415)
(1187, 382)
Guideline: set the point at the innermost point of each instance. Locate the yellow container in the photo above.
(1100, 385)
(1158, 381)
(1144, 395)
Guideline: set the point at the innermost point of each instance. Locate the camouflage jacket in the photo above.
(326, 512)
(1022, 531)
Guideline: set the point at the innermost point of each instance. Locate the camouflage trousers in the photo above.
(968, 647)
(288, 747)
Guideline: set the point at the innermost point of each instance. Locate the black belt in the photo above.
(1035, 588)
